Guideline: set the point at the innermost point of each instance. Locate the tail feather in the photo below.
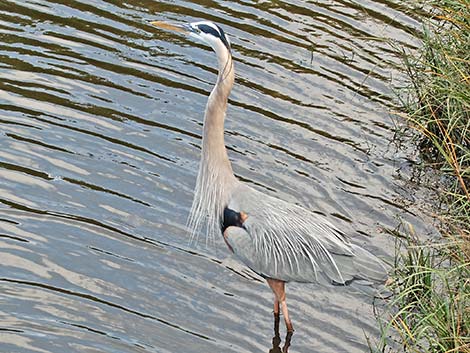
(362, 265)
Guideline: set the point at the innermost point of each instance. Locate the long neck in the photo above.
(215, 180)
(214, 152)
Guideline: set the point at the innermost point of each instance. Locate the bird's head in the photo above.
(206, 31)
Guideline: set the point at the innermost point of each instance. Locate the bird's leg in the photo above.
(288, 339)
(277, 336)
(276, 305)
(285, 312)
(276, 324)
(279, 289)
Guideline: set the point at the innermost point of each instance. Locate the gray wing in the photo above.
(287, 242)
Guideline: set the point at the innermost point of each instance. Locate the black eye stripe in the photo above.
(211, 30)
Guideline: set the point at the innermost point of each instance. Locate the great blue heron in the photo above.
(280, 241)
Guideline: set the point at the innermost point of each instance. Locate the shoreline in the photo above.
(430, 307)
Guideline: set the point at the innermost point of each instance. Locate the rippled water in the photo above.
(100, 117)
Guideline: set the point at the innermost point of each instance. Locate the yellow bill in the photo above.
(168, 26)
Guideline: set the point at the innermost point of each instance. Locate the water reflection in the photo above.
(277, 338)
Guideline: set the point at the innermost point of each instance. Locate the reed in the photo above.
(429, 310)
(437, 102)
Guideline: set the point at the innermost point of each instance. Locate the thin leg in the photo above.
(288, 339)
(285, 312)
(279, 289)
(276, 324)
(277, 336)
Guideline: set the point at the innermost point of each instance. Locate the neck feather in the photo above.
(215, 180)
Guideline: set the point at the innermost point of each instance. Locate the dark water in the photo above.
(100, 117)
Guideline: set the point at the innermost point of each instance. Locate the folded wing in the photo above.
(287, 242)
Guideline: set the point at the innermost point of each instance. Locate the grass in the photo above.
(437, 102)
(429, 310)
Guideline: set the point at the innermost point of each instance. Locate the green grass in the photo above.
(430, 307)
(437, 101)
(429, 310)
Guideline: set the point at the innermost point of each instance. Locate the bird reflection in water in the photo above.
(277, 338)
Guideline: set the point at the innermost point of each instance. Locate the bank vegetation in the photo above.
(429, 310)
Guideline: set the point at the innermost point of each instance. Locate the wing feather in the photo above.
(285, 241)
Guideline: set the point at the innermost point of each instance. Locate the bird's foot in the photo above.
(289, 334)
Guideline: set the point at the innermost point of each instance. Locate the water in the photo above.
(100, 117)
